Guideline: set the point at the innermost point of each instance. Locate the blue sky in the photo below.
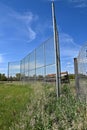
(25, 24)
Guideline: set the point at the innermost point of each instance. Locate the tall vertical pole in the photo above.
(8, 71)
(76, 76)
(57, 52)
(44, 48)
(20, 70)
(35, 78)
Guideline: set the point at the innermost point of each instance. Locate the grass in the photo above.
(35, 107)
(13, 100)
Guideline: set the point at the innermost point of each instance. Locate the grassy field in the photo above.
(13, 101)
(35, 107)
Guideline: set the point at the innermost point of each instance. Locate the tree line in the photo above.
(3, 77)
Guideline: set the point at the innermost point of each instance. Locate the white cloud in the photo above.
(3, 70)
(69, 65)
(79, 3)
(27, 17)
(17, 26)
(68, 47)
(15, 67)
(27, 20)
(32, 34)
(76, 3)
(1, 59)
(44, 28)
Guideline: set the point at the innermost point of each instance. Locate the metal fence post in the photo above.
(20, 69)
(76, 76)
(35, 65)
(8, 71)
(44, 47)
(57, 53)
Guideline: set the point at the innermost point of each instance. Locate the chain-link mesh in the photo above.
(82, 71)
(14, 70)
(40, 64)
(43, 63)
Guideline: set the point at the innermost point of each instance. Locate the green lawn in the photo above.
(36, 107)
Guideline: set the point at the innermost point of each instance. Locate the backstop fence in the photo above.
(81, 72)
(14, 70)
(39, 65)
(42, 64)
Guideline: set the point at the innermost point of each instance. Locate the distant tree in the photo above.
(72, 76)
(3, 77)
(40, 76)
(0, 76)
(10, 78)
(18, 75)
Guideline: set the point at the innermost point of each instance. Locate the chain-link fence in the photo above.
(14, 71)
(81, 74)
(43, 64)
(39, 64)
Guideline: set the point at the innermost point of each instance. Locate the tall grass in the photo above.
(37, 108)
(13, 100)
